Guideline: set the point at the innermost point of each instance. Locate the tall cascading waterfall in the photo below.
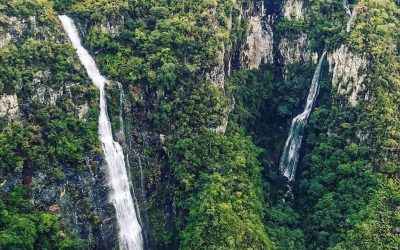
(130, 231)
(290, 154)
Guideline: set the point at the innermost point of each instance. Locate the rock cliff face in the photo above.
(12, 28)
(258, 47)
(294, 9)
(223, 58)
(9, 106)
(261, 46)
(296, 49)
(112, 27)
(45, 92)
(221, 71)
(78, 196)
(267, 37)
(352, 19)
(349, 71)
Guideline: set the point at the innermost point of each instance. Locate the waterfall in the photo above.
(130, 232)
(291, 151)
(346, 7)
(351, 20)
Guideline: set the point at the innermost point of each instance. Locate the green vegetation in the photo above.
(220, 190)
(161, 57)
(50, 134)
(205, 189)
(265, 106)
(21, 227)
(265, 103)
(350, 184)
(346, 193)
(327, 24)
(53, 130)
(40, 9)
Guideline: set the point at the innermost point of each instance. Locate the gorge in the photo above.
(210, 124)
(290, 154)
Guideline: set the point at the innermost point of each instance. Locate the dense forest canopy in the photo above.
(203, 123)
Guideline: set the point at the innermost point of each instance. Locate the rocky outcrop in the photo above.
(295, 49)
(219, 73)
(293, 10)
(222, 70)
(47, 95)
(112, 27)
(82, 110)
(260, 40)
(11, 28)
(349, 71)
(9, 106)
(258, 47)
(221, 129)
(223, 57)
(79, 197)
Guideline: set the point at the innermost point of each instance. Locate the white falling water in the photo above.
(346, 7)
(351, 20)
(290, 154)
(130, 232)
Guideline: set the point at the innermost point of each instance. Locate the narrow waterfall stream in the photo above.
(352, 19)
(290, 154)
(130, 232)
(346, 7)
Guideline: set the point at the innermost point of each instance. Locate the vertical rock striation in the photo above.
(349, 71)
(9, 106)
(258, 47)
(293, 9)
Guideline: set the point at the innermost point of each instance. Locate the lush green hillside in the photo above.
(349, 191)
(44, 133)
(204, 130)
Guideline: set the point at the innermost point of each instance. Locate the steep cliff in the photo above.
(49, 113)
(258, 46)
(349, 71)
(353, 117)
(201, 97)
(167, 102)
